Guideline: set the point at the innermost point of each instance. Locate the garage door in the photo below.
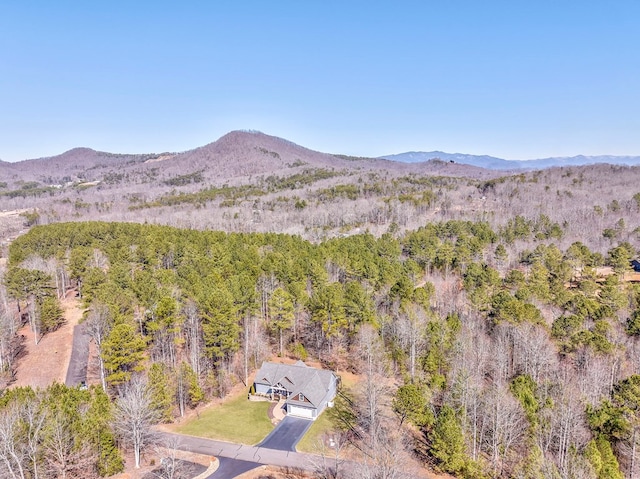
(301, 411)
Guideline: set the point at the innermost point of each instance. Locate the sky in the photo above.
(513, 79)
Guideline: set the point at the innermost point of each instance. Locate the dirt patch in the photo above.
(11, 226)
(160, 158)
(44, 363)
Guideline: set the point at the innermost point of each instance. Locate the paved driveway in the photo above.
(77, 371)
(230, 468)
(286, 434)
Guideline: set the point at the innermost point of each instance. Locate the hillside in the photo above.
(473, 305)
(243, 170)
(249, 181)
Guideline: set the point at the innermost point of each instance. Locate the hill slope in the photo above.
(249, 181)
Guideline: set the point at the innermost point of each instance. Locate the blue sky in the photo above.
(513, 79)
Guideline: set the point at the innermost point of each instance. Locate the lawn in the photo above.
(235, 420)
(323, 425)
(312, 440)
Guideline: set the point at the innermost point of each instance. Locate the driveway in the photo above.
(77, 371)
(286, 434)
(230, 468)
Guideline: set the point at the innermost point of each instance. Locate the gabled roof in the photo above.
(313, 390)
(297, 378)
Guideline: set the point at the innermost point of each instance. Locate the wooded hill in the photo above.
(469, 301)
(251, 182)
(471, 362)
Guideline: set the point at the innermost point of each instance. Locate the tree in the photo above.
(9, 342)
(326, 306)
(410, 403)
(374, 390)
(30, 285)
(600, 455)
(67, 456)
(171, 466)
(410, 326)
(219, 324)
(58, 432)
(193, 335)
(135, 416)
(501, 255)
(51, 317)
(164, 326)
(447, 442)
(188, 391)
(503, 425)
(620, 257)
(122, 352)
(98, 325)
(160, 391)
(281, 312)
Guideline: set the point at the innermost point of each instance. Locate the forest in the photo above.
(483, 352)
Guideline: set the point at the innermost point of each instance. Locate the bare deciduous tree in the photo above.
(64, 459)
(374, 369)
(13, 454)
(193, 335)
(503, 424)
(409, 328)
(171, 466)
(134, 417)
(97, 326)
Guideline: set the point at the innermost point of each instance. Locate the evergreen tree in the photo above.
(447, 442)
(281, 313)
(161, 392)
(122, 351)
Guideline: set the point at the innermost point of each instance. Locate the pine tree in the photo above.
(281, 313)
(161, 392)
(447, 442)
(122, 352)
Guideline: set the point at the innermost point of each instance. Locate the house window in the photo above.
(301, 397)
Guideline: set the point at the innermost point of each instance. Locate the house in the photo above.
(308, 390)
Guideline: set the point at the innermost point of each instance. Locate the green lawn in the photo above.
(235, 420)
(323, 425)
(314, 436)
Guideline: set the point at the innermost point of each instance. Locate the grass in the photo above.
(315, 435)
(235, 420)
(323, 425)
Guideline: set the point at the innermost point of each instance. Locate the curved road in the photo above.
(251, 454)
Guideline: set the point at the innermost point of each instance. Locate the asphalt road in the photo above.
(77, 371)
(254, 454)
(286, 434)
(230, 468)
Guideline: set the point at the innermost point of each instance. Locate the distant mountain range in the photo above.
(493, 163)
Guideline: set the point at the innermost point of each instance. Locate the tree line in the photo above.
(480, 365)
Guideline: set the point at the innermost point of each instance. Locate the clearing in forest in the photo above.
(44, 363)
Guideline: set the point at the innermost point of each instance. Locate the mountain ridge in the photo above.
(240, 142)
(495, 163)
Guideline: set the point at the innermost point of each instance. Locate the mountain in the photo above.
(493, 163)
(236, 156)
(248, 181)
(483, 161)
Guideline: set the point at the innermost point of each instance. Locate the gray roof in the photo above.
(297, 378)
